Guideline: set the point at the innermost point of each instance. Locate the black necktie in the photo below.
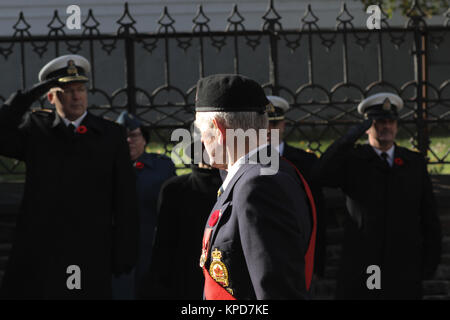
(384, 155)
(71, 129)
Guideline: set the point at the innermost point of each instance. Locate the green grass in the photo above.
(440, 147)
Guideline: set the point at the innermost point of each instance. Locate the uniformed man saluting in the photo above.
(258, 241)
(79, 211)
(392, 222)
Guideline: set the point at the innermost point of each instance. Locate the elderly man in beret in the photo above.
(258, 242)
(78, 221)
(392, 237)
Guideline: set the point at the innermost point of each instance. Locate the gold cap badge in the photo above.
(71, 68)
(270, 108)
(387, 104)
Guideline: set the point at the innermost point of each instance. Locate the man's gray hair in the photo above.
(236, 120)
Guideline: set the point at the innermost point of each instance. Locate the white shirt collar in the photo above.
(77, 122)
(239, 163)
(390, 153)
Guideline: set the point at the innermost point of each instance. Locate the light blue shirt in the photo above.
(76, 123)
(390, 153)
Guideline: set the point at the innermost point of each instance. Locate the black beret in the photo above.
(230, 93)
(129, 121)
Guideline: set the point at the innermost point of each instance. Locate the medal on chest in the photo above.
(217, 269)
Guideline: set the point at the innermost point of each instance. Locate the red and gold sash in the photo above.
(309, 256)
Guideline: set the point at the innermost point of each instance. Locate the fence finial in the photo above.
(126, 21)
(166, 21)
(200, 20)
(21, 25)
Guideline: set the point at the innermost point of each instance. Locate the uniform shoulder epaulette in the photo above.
(412, 153)
(43, 111)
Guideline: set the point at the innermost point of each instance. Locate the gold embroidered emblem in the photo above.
(386, 104)
(217, 269)
(71, 68)
(270, 108)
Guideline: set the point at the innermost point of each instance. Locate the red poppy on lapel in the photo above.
(399, 161)
(82, 129)
(139, 165)
(214, 217)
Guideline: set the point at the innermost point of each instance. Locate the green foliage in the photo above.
(405, 7)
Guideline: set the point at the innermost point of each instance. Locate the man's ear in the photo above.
(222, 130)
(51, 96)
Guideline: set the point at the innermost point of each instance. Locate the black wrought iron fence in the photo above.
(323, 73)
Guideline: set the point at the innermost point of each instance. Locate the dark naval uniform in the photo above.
(78, 219)
(79, 205)
(184, 206)
(392, 221)
(152, 170)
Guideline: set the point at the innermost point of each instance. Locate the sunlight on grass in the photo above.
(439, 150)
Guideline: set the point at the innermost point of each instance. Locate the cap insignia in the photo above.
(270, 108)
(386, 104)
(71, 68)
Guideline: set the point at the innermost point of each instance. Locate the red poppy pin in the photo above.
(81, 129)
(214, 217)
(399, 161)
(139, 165)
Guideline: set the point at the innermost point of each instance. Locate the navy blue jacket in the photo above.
(156, 170)
(263, 233)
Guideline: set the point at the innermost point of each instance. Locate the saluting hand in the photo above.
(356, 131)
(28, 96)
